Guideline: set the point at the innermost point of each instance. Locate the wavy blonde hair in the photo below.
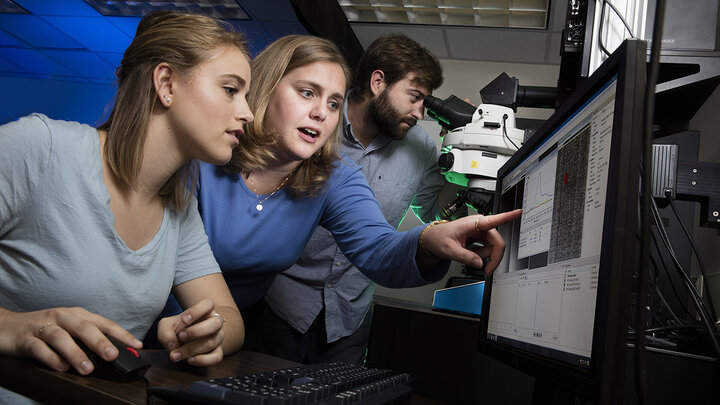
(183, 41)
(258, 147)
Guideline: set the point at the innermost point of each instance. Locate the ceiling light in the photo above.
(477, 13)
(9, 7)
(224, 9)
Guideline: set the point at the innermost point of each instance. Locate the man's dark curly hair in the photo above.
(397, 55)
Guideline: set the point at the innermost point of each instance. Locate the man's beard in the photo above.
(387, 118)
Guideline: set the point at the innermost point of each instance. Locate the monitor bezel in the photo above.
(602, 382)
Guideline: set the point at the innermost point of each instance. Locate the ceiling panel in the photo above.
(430, 37)
(74, 42)
(531, 14)
(36, 32)
(8, 67)
(113, 59)
(224, 9)
(270, 10)
(34, 61)
(475, 43)
(256, 34)
(282, 28)
(479, 44)
(87, 64)
(9, 40)
(128, 25)
(57, 7)
(94, 33)
(497, 46)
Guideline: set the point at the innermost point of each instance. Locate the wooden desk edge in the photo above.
(42, 384)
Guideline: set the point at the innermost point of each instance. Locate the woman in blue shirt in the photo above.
(286, 177)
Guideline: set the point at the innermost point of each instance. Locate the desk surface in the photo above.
(42, 384)
(33, 380)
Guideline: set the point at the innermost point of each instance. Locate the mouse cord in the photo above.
(148, 395)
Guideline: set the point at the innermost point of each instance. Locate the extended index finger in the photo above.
(112, 328)
(491, 221)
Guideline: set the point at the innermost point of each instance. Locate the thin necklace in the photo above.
(259, 206)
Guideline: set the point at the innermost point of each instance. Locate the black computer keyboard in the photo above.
(331, 383)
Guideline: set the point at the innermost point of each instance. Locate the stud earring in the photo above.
(167, 99)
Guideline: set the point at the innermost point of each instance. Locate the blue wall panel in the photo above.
(82, 102)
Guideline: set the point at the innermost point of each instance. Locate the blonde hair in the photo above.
(183, 41)
(258, 147)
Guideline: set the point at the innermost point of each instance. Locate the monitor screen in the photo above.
(547, 286)
(556, 306)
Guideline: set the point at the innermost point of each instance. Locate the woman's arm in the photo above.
(386, 255)
(361, 231)
(209, 327)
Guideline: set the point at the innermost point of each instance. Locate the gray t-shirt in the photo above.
(58, 246)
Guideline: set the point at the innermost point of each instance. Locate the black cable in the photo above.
(666, 240)
(652, 277)
(620, 16)
(658, 293)
(505, 117)
(667, 307)
(659, 342)
(601, 44)
(602, 23)
(674, 327)
(670, 280)
(664, 303)
(148, 395)
(653, 317)
(706, 281)
(697, 301)
(646, 198)
(671, 252)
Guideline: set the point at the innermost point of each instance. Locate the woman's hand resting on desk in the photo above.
(47, 336)
(451, 240)
(195, 335)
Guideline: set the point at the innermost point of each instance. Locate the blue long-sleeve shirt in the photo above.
(253, 246)
(403, 173)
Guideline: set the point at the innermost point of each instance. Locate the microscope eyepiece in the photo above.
(451, 113)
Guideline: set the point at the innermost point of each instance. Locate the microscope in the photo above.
(479, 140)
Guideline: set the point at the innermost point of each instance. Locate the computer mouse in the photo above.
(128, 366)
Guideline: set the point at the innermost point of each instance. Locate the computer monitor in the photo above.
(557, 305)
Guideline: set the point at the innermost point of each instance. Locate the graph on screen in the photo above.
(538, 201)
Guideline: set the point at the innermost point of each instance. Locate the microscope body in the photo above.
(472, 154)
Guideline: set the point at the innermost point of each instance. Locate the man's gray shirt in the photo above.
(403, 174)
